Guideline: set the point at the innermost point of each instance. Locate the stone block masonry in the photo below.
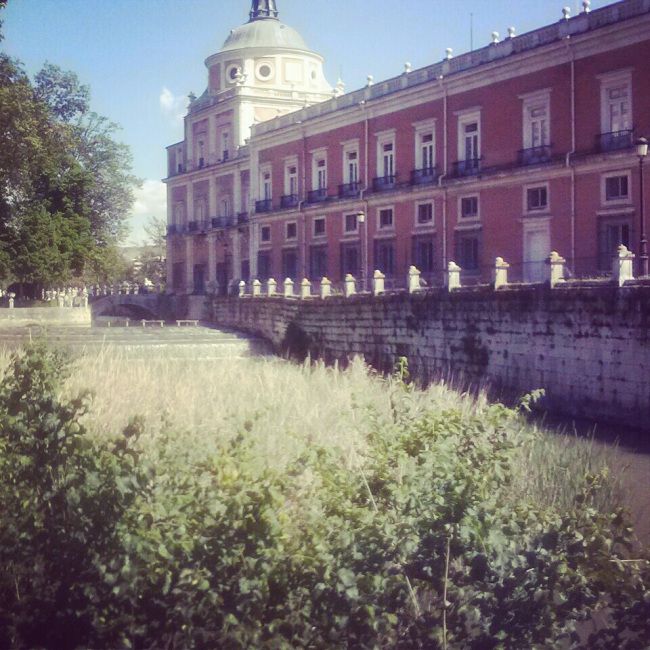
(586, 345)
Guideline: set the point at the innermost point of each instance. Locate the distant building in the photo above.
(515, 149)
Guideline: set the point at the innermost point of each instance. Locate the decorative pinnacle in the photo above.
(261, 9)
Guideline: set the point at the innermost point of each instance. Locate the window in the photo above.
(467, 250)
(617, 188)
(317, 262)
(351, 223)
(386, 218)
(264, 71)
(614, 231)
(536, 119)
(267, 187)
(201, 153)
(292, 230)
(290, 263)
(225, 145)
(385, 256)
(351, 167)
(536, 198)
(319, 171)
(469, 207)
(388, 160)
(616, 110)
(291, 180)
(225, 207)
(469, 142)
(200, 209)
(265, 233)
(264, 265)
(350, 259)
(423, 253)
(179, 213)
(319, 226)
(424, 214)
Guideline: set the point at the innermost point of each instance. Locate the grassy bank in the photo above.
(262, 504)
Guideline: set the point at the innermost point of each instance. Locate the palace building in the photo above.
(513, 150)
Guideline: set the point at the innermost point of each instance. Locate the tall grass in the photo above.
(285, 408)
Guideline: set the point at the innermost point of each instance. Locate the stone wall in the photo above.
(587, 345)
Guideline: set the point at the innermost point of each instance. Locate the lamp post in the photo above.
(641, 146)
(361, 218)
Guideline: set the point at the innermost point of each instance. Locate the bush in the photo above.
(419, 540)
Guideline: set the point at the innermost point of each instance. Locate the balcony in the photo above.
(289, 201)
(468, 167)
(242, 217)
(535, 155)
(173, 229)
(265, 205)
(384, 183)
(218, 222)
(424, 176)
(317, 196)
(614, 140)
(349, 190)
(192, 226)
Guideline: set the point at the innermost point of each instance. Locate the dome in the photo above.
(265, 34)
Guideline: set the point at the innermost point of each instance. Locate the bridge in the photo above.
(147, 306)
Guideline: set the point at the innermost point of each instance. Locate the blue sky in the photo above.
(142, 57)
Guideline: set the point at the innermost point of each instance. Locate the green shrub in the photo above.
(421, 538)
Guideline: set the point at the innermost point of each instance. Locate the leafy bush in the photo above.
(418, 539)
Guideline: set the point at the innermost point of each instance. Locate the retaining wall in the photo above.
(587, 346)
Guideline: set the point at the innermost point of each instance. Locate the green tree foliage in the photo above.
(58, 158)
(422, 542)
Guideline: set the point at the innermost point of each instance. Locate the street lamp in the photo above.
(641, 146)
(361, 218)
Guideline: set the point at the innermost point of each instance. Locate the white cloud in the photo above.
(150, 200)
(172, 106)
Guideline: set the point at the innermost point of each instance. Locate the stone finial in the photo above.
(555, 268)
(325, 288)
(256, 288)
(370, 80)
(449, 53)
(271, 287)
(350, 285)
(11, 295)
(407, 67)
(586, 6)
(623, 266)
(566, 13)
(378, 282)
(500, 272)
(242, 288)
(413, 279)
(453, 276)
(60, 299)
(495, 38)
(305, 288)
(288, 287)
(511, 32)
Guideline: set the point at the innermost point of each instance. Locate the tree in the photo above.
(152, 260)
(66, 185)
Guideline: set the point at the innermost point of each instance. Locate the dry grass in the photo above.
(285, 408)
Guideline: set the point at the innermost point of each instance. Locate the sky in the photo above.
(142, 57)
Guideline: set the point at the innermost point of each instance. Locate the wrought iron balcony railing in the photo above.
(614, 140)
(383, 183)
(242, 217)
(535, 155)
(424, 175)
(264, 205)
(316, 196)
(288, 200)
(349, 190)
(467, 167)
